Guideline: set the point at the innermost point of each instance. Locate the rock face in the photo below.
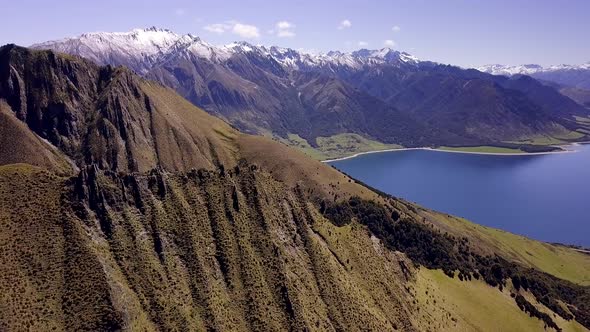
(19, 145)
(103, 115)
(171, 219)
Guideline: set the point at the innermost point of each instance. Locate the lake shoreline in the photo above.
(458, 151)
(539, 197)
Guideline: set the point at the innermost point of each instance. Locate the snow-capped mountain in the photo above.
(497, 69)
(138, 48)
(357, 59)
(568, 75)
(141, 49)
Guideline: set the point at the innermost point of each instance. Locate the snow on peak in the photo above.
(138, 48)
(356, 59)
(528, 69)
(141, 48)
(147, 40)
(497, 69)
(241, 46)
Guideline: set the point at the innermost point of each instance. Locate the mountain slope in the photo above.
(468, 105)
(105, 115)
(245, 234)
(31, 149)
(256, 94)
(581, 96)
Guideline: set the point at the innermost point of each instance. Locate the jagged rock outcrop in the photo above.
(103, 115)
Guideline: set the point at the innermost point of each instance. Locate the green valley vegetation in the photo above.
(337, 146)
(482, 149)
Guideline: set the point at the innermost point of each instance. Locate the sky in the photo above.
(460, 32)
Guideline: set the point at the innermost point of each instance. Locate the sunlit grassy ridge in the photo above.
(448, 304)
(561, 261)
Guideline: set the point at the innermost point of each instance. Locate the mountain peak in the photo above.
(155, 29)
(241, 46)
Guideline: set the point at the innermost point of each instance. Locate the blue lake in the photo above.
(544, 197)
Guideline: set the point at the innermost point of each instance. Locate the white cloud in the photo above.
(284, 29)
(285, 25)
(396, 28)
(243, 30)
(217, 28)
(345, 24)
(389, 43)
(363, 44)
(180, 12)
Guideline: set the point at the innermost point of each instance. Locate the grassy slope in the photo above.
(207, 275)
(336, 146)
(360, 280)
(28, 224)
(484, 149)
(556, 139)
(490, 310)
(291, 167)
(581, 96)
(474, 312)
(444, 303)
(19, 145)
(562, 262)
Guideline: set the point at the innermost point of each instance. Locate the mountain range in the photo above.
(125, 207)
(572, 81)
(577, 76)
(367, 96)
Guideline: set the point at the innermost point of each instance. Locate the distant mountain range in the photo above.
(572, 81)
(381, 95)
(577, 76)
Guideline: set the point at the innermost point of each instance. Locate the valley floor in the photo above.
(484, 150)
(348, 145)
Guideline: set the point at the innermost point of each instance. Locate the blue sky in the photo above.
(461, 32)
